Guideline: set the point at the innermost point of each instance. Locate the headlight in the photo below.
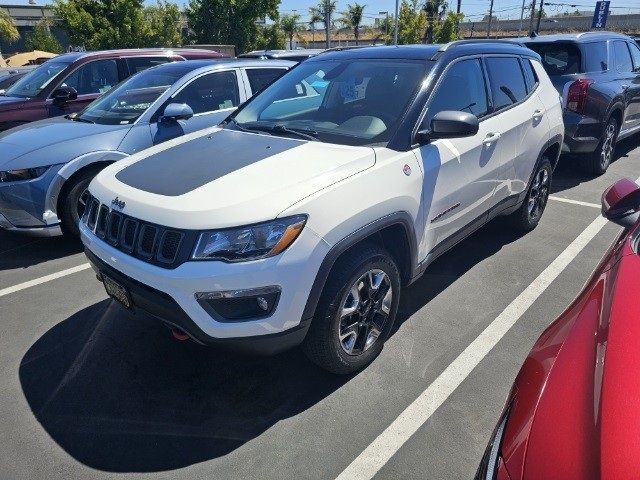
(249, 243)
(22, 174)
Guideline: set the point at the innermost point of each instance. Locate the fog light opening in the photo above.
(179, 335)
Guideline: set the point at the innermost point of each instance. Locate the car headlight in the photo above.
(249, 243)
(22, 174)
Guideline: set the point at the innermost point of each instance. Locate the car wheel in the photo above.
(73, 201)
(356, 311)
(527, 217)
(598, 162)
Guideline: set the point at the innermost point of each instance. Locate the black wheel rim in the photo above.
(539, 194)
(364, 312)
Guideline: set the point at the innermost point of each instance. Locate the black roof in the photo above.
(427, 52)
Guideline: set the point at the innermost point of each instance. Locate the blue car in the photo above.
(46, 166)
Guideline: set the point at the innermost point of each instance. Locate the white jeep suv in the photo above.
(299, 219)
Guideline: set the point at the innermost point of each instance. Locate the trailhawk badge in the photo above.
(117, 203)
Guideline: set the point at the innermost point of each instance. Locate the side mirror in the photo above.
(621, 202)
(176, 111)
(62, 95)
(452, 124)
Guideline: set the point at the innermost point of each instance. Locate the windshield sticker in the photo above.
(352, 91)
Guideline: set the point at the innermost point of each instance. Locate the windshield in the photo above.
(352, 102)
(35, 81)
(126, 102)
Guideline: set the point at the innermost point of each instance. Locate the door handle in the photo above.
(537, 114)
(491, 138)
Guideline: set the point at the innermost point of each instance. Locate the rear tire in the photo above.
(71, 204)
(598, 162)
(527, 217)
(356, 311)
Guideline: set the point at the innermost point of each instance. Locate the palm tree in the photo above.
(290, 26)
(8, 30)
(435, 10)
(324, 10)
(352, 18)
(315, 18)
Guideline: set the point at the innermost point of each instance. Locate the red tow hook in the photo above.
(180, 335)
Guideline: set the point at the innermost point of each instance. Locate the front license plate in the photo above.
(117, 291)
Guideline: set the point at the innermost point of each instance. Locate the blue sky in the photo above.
(473, 9)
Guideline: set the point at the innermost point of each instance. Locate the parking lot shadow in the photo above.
(22, 251)
(118, 394)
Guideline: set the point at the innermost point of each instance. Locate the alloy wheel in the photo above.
(82, 203)
(606, 153)
(364, 311)
(539, 194)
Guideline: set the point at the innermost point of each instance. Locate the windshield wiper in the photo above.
(77, 118)
(301, 132)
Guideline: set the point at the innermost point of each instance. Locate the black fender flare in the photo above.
(397, 218)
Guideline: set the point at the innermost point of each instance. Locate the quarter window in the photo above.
(529, 75)
(461, 89)
(209, 93)
(261, 77)
(635, 54)
(622, 57)
(506, 80)
(93, 77)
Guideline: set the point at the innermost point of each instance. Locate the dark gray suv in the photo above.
(598, 76)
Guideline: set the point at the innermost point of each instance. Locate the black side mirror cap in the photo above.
(62, 95)
(449, 124)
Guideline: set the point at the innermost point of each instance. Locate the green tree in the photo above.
(102, 24)
(8, 30)
(385, 29)
(290, 26)
(163, 20)
(447, 31)
(352, 18)
(324, 10)
(435, 10)
(271, 37)
(412, 21)
(42, 39)
(229, 21)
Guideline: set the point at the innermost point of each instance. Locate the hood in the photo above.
(221, 178)
(577, 407)
(10, 103)
(63, 140)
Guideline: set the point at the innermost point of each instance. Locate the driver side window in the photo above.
(209, 93)
(462, 89)
(94, 77)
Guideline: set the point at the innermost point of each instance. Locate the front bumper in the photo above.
(582, 134)
(24, 206)
(170, 294)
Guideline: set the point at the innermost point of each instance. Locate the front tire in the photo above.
(598, 162)
(72, 203)
(527, 217)
(356, 311)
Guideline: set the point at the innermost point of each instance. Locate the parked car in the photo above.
(9, 79)
(46, 166)
(574, 409)
(291, 55)
(598, 76)
(300, 217)
(69, 82)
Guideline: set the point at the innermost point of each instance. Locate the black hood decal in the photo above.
(190, 165)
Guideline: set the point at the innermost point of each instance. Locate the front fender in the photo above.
(74, 166)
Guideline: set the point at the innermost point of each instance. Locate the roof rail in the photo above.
(604, 32)
(458, 43)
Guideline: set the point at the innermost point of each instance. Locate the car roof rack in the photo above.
(604, 32)
(479, 41)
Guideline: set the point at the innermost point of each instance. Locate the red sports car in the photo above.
(574, 409)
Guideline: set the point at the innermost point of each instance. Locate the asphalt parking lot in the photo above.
(90, 391)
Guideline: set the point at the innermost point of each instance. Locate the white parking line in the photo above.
(575, 202)
(378, 453)
(45, 279)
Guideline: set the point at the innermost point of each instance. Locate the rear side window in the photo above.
(137, 64)
(635, 54)
(530, 75)
(461, 89)
(596, 58)
(558, 58)
(506, 80)
(622, 57)
(261, 77)
(215, 91)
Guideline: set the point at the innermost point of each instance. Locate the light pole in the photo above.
(521, 17)
(386, 25)
(490, 18)
(395, 31)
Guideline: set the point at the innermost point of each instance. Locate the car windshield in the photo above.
(351, 102)
(35, 81)
(125, 103)
(558, 58)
